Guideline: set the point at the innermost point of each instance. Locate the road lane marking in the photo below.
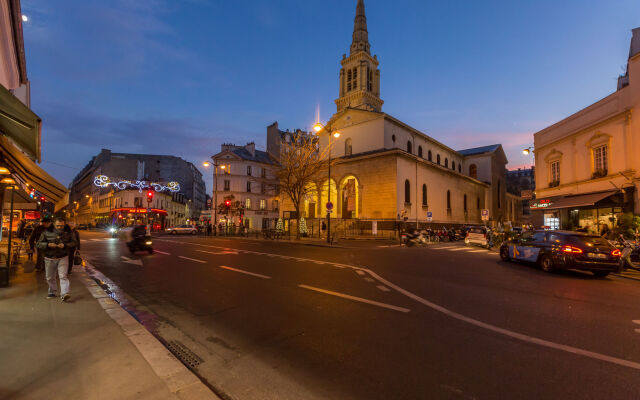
(637, 330)
(192, 259)
(478, 251)
(161, 252)
(636, 321)
(359, 272)
(218, 253)
(506, 332)
(245, 272)
(457, 249)
(369, 279)
(128, 260)
(383, 288)
(360, 299)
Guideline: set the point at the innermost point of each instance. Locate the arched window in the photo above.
(393, 138)
(478, 203)
(438, 159)
(348, 149)
(453, 165)
(409, 148)
(446, 162)
(465, 203)
(424, 195)
(460, 168)
(407, 191)
(429, 157)
(473, 171)
(420, 151)
(448, 200)
(499, 199)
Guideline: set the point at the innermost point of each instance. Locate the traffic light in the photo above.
(227, 203)
(150, 196)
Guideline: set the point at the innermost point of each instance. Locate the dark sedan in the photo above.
(563, 250)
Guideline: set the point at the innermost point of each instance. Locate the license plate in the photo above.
(597, 255)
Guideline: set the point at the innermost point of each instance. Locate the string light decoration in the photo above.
(104, 181)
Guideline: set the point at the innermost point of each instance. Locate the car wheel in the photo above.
(546, 263)
(504, 254)
(174, 232)
(600, 274)
(194, 232)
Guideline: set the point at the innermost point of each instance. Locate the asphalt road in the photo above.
(269, 320)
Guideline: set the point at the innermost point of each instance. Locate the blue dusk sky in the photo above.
(181, 77)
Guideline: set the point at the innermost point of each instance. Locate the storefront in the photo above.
(591, 211)
(138, 216)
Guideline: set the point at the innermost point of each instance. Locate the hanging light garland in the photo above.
(104, 181)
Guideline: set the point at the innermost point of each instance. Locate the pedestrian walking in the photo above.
(55, 244)
(35, 235)
(209, 229)
(71, 227)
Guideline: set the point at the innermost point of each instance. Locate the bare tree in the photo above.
(301, 163)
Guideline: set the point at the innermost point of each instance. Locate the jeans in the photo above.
(62, 266)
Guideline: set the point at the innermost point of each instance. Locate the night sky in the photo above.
(181, 77)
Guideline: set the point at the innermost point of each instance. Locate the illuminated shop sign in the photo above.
(544, 203)
(104, 182)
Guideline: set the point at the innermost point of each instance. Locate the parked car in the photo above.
(184, 229)
(553, 250)
(82, 227)
(477, 235)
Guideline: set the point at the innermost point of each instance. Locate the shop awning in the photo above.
(20, 164)
(581, 200)
(20, 124)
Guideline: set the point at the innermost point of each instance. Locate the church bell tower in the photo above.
(360, 76)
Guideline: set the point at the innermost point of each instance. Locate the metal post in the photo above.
(13, 189)
(329, 194)
(215, 199)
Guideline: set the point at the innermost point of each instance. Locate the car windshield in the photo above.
(589, 241)
(476, 230)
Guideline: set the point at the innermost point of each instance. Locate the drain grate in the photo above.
(188, 357)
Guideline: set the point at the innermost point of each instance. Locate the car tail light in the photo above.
(616, 253)
(571, 250)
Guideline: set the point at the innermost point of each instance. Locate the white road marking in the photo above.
(636, 321)
(360, 299)
(96, 240)
(369, 280)
(478, 251)
(383, 288)
(162, 252)
(637, 330)
(245, 272)
(457, 249)
(192, 259)
(506, 332)
(359, 272)
(128, 260)
(217, 253)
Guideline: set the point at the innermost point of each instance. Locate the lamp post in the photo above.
(528, 151)
(319, 127)
(215, 192)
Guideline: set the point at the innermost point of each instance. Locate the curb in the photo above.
(178, 378)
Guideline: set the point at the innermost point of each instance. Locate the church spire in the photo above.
(360, 34)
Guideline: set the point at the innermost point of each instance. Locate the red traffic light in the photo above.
(227, 203)
(149, 195)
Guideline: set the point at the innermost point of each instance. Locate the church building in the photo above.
(388, 170)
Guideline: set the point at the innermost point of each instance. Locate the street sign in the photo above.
(485, 215)
(329, 206)
(429, 216)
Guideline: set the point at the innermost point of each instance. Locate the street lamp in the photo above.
(318, 127)
(207, 164)
(527, 151)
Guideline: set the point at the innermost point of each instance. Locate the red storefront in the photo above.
(135, 216)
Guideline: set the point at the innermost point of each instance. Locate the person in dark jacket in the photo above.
(55, 244)
(35, 235)
(71, 227)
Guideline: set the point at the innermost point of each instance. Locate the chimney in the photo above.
(251, 148)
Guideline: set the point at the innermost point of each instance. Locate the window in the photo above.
(449, 200)
(453, 165)
(446, 162)
(226, 169)
(407, 191)
(478, 203)
(555, 172)
(499, 194)
(600, 159)
(424, 195)
(137, 202)
(473, 171)
(438, 159)
(348, 149)
(227, 185)
(538, 237)
(263, 204)
(393, 138)
(459, 168)
(263, 188)
(247, 204)
(420, 151)
(263, 173)
(248, 170)
(465, 203)
(409, 148)
(248, 186)
(275, 205)
(355, 78)
(429, 157)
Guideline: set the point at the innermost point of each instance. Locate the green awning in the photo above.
(20, 124)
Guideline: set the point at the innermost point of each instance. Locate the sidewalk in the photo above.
(89, 348)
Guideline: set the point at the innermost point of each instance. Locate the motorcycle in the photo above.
(630, 254)
(411, 239)
(113, 231)
(141, 243)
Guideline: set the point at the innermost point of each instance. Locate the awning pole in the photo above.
(13, 189)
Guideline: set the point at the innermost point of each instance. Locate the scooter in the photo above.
(141, 243)
(410, 239)
(113, 231)
(630, 255)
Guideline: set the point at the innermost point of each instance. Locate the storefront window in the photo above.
(552, 220)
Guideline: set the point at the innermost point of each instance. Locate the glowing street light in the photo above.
(25, 18)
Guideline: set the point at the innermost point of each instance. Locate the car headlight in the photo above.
(112, 230)
(147, 243)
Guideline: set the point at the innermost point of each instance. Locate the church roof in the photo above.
(479, 150)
